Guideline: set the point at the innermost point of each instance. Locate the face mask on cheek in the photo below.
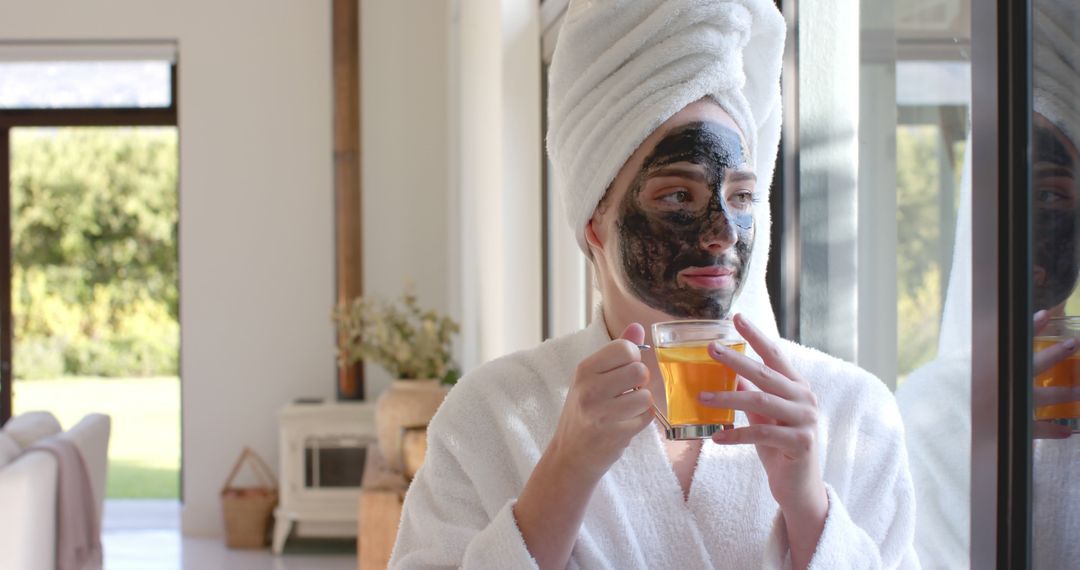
(1055, 230)
(656, 246)
(1056, 252)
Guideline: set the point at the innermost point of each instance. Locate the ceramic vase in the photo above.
(406, 403)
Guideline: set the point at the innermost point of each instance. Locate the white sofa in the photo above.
(28, 485)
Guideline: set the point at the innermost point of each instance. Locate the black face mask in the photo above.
(1055, 246)
(655, 246)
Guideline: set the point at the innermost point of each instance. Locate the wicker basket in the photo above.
(248, 510)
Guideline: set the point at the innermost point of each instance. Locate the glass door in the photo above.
(89, 270)
(933, 185)
(877, 222)
(1025, 265)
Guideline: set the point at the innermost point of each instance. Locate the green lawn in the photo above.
(144, 449)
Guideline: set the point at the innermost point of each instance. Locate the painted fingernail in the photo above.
(719, 347)
(1071, 344)
(706, 396)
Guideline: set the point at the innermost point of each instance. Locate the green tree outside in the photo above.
(919, 243)
(94, 291)
(94, 221)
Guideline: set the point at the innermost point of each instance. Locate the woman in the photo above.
(664, 125)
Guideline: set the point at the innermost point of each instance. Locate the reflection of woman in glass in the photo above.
(936, 399)
(1055, 216)
(1056, 130)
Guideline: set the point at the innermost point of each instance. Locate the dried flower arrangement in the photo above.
(406, 340)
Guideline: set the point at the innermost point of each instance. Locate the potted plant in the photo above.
(413, 345)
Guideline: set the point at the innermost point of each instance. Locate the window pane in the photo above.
(97, 84)
(883, 119)
(931, 137)
(931, 83)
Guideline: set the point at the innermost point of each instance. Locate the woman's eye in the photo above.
(741, 199)
(1050, 197)
(1045, 196)
(678, 196)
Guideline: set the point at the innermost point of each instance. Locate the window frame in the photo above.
(783, 273)
(1001, 459)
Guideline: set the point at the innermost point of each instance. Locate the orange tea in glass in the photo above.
(1064, 374)
(682, 352)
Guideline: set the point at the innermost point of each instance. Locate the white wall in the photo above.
(256, 218)
(498, 138)
(407, 206)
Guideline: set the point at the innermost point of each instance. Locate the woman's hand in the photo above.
(783, 418)
(1049, 395)
(605, 407)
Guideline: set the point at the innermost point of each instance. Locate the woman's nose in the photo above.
(719, 233)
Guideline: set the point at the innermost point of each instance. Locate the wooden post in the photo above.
(347, 205)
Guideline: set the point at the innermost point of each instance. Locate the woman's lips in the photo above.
(713, 277)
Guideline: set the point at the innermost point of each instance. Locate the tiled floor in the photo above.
(145, 535)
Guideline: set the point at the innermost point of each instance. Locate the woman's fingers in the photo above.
(638, 423)
(1048, 430)
(613, 370)
(1046, 358)
(1050, 395)
(627, 406)
(783, 397)
(769, 352)
(622, 380)
(762, 403)
(758, 373)
(793, 441)
(614, 354)
(1040, 320)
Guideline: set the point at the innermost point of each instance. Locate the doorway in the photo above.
(89, 293)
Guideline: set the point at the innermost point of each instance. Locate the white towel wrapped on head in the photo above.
(623, 67)
(1056, 64)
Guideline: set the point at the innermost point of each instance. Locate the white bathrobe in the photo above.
(936, 400)
(1055, 504)
(489, 434)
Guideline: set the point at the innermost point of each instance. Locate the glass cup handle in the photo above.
(656, 411)
(663, 419)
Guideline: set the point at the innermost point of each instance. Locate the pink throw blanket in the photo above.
(78, 528)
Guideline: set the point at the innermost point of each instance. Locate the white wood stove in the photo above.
(322, 451)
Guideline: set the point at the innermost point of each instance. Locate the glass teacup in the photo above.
(681, 349)
(1064, 374)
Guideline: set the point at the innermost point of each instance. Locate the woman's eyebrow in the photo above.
(1044, 170)
(695, 174)
(740, 176)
